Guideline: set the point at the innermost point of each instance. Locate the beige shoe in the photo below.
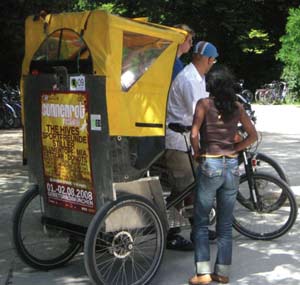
(200, 279)
(219, 278)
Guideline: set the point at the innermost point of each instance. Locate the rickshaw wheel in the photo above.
(40, 247)
(125, 242)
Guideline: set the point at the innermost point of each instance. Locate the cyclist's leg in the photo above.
(178, 164)
(180, 175)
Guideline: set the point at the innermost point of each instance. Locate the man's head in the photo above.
(187, 44)
(205, 54)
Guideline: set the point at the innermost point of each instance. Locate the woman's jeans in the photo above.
(217, 178)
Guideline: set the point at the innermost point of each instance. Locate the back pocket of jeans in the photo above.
(210, 171)
(235, 171)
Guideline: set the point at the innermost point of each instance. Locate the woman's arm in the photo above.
(197, 122)
(249, 128)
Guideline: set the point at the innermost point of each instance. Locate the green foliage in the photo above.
(290, 50)
(111, 7)
(246, 32)
(82, 5)
(257, 42)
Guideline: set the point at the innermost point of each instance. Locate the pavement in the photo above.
(254, 262)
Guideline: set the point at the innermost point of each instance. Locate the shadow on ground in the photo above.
(255, 262)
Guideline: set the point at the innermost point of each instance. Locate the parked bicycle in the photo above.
(274, 92)
(261, 160)
(10, 107)
(246, 93)
(266, 207)
(260, 163)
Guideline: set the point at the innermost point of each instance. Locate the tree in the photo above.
(246, 32)
(12, 19)
(290, 50)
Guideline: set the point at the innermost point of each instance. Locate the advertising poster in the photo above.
(66, 154)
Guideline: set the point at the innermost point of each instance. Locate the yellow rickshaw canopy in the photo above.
(135, 56)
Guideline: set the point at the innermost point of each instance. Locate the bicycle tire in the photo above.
(262, 97)
(33, 241)
(9, 119)
(257, 96)
(1, 119)
(265, 97)
(271, 166)
(273, 163)
(118, 251)
(248, 94)
(271, 221)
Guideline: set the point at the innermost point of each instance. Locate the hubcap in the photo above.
(122, 244)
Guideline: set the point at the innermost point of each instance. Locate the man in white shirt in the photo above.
(188, 87)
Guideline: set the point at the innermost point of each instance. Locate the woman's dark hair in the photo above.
(220, 83)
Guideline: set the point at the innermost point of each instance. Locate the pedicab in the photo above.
(94, 92)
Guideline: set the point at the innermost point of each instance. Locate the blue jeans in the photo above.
(217, 178)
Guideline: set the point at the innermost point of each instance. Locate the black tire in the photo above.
(271, 221)
(248, 95)
(266, 164)
(257, 95)
(117, 251)
(1, 118)
(269, 98)
(18, 119)
(37, 245)
(9, 119)
(17, 123)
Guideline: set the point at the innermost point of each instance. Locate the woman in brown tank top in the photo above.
(213, 141)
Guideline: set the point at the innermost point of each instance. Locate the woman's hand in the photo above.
(238, 138)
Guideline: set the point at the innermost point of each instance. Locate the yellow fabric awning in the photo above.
(141, 109)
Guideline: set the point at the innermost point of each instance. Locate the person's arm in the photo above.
(197, 122)
(178, 67)
(249, 128)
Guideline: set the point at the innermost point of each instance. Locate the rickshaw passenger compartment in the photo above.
(122, 160)
(149, 188)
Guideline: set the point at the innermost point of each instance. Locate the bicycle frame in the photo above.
(247, 161)
(179, 198)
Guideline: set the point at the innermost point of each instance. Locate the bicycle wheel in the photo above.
(1, 118)
(125, 242)
(265, 163)
(270, 221)
(39, 246)
(9, 119)
(257, 95)
(248, 95)
(266, 97)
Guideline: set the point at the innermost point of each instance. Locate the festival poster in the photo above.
(65, 149)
